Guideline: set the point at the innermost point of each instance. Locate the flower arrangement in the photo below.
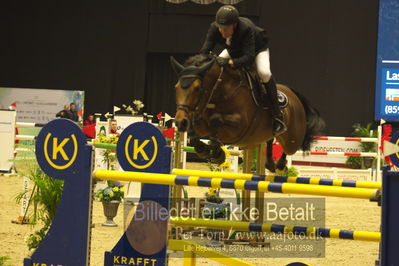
(113, 192)
(109, 154)
(135, 108)
(215, 209)
(213, 195)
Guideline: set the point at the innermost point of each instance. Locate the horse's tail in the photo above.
(315, 125)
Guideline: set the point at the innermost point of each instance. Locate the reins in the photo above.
(214, 88)
(200, 108)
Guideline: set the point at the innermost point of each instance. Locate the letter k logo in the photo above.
(59, 148)
(140, 149)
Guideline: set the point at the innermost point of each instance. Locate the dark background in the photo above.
(118, 51)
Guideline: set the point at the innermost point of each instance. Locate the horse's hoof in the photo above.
(202, 151)
(219, 158)
(204, 154)
(270, 166)
(282, 165)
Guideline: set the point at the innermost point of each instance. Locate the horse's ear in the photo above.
(207, 66)
(177, 67)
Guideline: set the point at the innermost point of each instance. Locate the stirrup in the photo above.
(282, 127)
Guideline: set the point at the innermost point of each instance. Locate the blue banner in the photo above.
(387, 72)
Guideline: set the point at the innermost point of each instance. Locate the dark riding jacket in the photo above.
(246, 42)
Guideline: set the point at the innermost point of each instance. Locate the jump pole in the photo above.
(28, 124)
(260, 186)
(277, 228)
(377, 154)
(282, 179)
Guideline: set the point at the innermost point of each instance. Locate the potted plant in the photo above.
(44, 198)
(363, 132)
(110, 196)
(108, 154)
(215, 209)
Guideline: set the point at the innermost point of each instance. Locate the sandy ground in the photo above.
(350, 214)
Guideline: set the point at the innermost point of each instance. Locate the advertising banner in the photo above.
(387, 72)
(40, 105)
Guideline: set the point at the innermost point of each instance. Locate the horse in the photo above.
(217, 103)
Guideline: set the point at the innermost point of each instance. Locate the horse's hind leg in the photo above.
(217, 154)
(202, 150)
(269, 165)
(282, 163)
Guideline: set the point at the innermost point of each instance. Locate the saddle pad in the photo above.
(254, 85)
(282, 99)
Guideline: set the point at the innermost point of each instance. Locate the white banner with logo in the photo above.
(40, 105)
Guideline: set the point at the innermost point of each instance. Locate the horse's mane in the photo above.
(197, 60)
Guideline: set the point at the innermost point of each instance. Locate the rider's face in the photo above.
(226, 32)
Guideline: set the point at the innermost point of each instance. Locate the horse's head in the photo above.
(189, 90)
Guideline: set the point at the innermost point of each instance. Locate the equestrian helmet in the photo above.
(227, 15)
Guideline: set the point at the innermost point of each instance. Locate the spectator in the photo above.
(64, 113)
(114, 127)
(73, 115)
(89, 127)
(89, 121)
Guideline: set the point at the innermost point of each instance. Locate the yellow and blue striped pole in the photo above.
(282, 179)
(261, 186)
(277, 228)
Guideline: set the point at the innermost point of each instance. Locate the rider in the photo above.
(244, 43)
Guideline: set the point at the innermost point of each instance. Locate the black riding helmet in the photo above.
(226, 16)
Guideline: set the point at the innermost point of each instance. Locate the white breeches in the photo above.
(262, 62)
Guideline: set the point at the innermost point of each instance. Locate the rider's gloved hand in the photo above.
(222, 61)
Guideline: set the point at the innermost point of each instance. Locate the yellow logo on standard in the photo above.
(138, 149)
(58, 151)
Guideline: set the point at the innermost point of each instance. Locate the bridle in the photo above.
(185, 107)
(199, 109)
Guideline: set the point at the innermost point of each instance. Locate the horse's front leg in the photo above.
(202, 150)
(282, 163)
(217, 154)
(269, 165)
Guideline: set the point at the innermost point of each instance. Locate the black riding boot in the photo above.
(278, 125)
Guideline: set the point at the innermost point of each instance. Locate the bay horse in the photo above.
(216, 102)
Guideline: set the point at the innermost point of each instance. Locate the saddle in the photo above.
(258, 96)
